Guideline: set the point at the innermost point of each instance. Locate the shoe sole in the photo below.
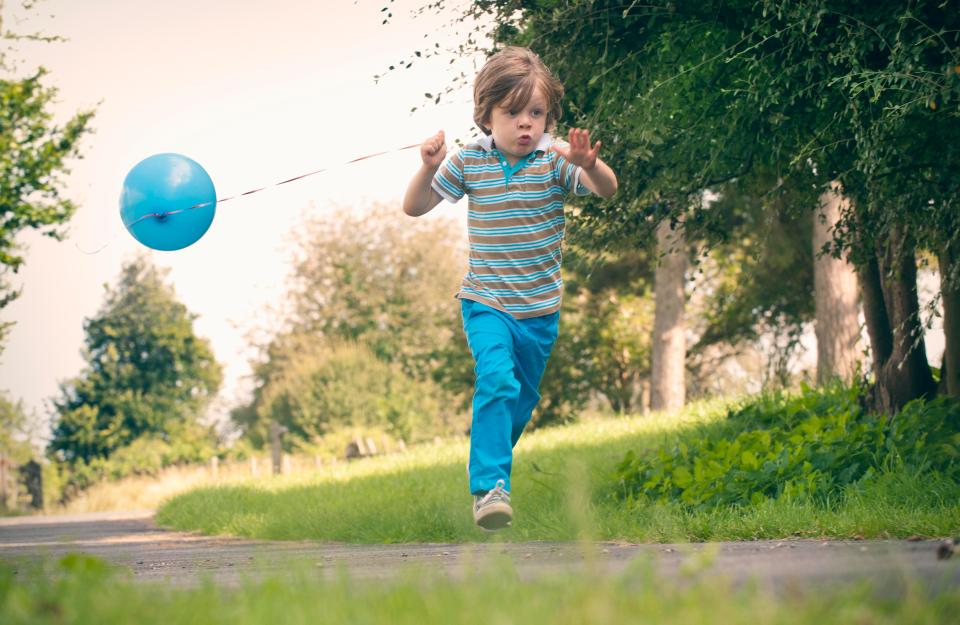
(495, 517)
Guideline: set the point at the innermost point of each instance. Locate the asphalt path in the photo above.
(154, 554)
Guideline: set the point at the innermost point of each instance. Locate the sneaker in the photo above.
(492, 510)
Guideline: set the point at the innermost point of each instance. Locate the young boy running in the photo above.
(516, 178)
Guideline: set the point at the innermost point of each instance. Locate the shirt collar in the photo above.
(486, 142)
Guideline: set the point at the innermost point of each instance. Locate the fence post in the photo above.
(276, 430)
(32, 476)
(3, 481)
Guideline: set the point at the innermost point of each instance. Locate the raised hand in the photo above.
(579, 151)
(434, 150)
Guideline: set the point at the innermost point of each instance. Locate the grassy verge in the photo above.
(562, 490)
(80, 589)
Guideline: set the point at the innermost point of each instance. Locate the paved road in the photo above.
(132, 540)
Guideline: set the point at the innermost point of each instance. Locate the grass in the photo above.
(561, 490)
(80, 589)
(142, 492)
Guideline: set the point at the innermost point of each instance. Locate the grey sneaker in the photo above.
(492, 510)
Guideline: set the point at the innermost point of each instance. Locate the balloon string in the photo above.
(163, 215)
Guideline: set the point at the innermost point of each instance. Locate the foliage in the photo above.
(336, 386)
(566, 384)
(763, 252)
(808, 447)
(382, 278)
(147, 372)
(603, 348)
(15, 430)
(691, 97)
(145, 455)
(562, 490)
(385, 282)
(34, 152)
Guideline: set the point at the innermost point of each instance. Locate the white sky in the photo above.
(256, 92)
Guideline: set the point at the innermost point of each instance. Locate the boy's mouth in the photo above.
(524, 140)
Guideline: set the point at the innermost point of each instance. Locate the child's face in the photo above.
(516, 132)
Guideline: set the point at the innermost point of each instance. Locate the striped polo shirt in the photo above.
(515, 223)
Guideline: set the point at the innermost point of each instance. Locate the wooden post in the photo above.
(31, 474)
(3, 481)
(276, 430)
(215, 467)
(254, 471)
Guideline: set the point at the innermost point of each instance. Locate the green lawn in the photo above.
(562, 489)
(80, 589)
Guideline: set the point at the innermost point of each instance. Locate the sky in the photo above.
(256, 92)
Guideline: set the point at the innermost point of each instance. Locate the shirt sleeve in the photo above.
(569, 174)
(448, 181)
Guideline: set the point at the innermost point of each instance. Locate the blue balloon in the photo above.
(168, 201)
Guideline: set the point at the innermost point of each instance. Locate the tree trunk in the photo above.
(668, 383)
(892, 310)
(950, 371)
(835, 287)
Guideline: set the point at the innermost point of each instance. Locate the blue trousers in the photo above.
(510, 355)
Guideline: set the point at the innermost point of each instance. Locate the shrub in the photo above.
(346, 385)
(809, 446)
(145, 455)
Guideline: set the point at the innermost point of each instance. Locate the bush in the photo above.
(345, 386)
(806, 447)
(149, 454)
(145, 455)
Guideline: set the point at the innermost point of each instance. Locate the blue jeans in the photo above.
(511, 355)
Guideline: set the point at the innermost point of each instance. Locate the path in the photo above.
(132, 540)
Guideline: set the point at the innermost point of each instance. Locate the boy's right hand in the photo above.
(434, 150)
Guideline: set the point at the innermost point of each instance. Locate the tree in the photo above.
(837, 298)
(34, 152)
(603, 348)
(376, 278)
(15, 430)
(147, 372)
(668, 381)
(694, 95)
(757, 286)
(337, 386)
(381, 278)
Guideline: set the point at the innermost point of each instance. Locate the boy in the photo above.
(516, 179)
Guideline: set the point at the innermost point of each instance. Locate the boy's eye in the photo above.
(536, 112)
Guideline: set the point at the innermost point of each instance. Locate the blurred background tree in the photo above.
(147, 373)
(34, 156)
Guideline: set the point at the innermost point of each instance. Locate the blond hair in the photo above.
(509, 78)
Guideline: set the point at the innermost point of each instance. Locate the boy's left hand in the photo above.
(579, 152)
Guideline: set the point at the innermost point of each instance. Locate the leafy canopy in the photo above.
(147, 372)
(34, 152)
